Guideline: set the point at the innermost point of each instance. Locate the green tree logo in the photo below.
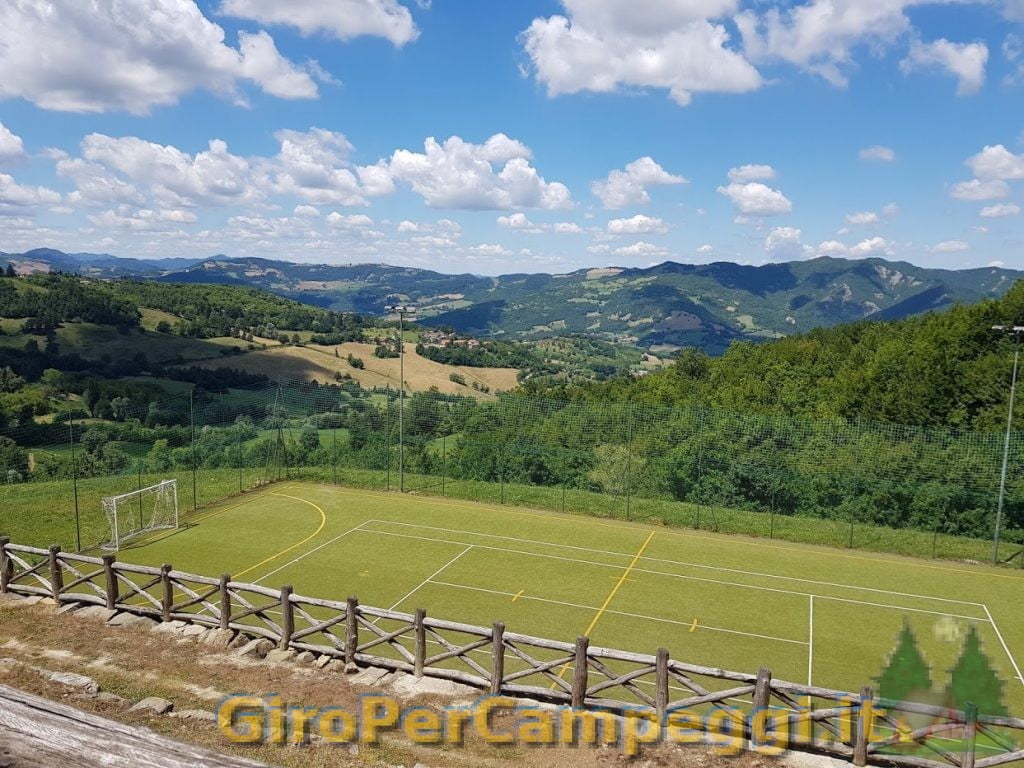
(907, 676)
(974, 680)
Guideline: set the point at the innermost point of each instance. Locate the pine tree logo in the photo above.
(907, 676)
(974, 681)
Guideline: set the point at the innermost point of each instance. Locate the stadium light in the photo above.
(1015, 331)
(401, 310)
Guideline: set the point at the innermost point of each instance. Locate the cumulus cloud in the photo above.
(630, 186)
(516, 221)
(606, 45)
(353, 221)
(976, 189)
(862, 218)
(756, 199)
(495, 175)
(1001, 211)
(11, 146)
(951, 246)
(746, 173)
(873, 246)
(637, 225)
(641, 248)
(132, 55)
(142, 219)
(965, 61)
(997, 162)
(832, 248)
(315, 165)
(342, 19)
(878, 154)
(307, 211)
(17, 198)
(784, 244)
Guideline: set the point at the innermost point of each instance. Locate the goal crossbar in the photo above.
(140, 511)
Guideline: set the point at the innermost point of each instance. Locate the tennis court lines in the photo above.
(703, 613)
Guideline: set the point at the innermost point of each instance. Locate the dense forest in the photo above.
(943, 369)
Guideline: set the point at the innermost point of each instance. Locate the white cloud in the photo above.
(630, 186)
(873, 246)
(641, 249)
(307, 211)
(997, 162)
(11, 146)
(142, 219)
(16, 198)
(516, 221)
(315, 166)
(755, 199)
(976, 189)
(342, 19)
(706, 249)
(784, 244)
(355, 221)
(490, 249)
(747, 173)
(862, 218)
(495, 175)
(877, 153)
(951, 246)
(1001, 211)
(607, 45)
(131, 55)
(832, 248)
(566, 228)
(965, 61)
(408, 226)
(637, 225)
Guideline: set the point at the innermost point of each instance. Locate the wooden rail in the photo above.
(860, 727)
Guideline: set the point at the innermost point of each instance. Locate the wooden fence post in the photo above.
(111, 579)
(351, 630)
(661, 686)
(421, 642)
(168, 597)
(225, 602)
(6, 564)
(579, 672)
(762, 700)
(287, 617)
(497, 658)
(970, 735)
(862, 734)
(56, 576)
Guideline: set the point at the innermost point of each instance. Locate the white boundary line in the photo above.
(1005, 647)
(683, 563)
(810, 643)
(618, 613)
(431, 576)
(672, 575)
(307, 554)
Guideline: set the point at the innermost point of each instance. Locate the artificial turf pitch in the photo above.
(813, 615)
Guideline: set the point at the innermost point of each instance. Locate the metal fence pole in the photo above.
(387, 434)
(334, 453)
(444, 462)
(138, 465)
(629, 459)
(192, 424)
(700, 463)
(74, 484)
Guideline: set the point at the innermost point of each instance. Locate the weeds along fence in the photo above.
(925, 492)
(755, 708)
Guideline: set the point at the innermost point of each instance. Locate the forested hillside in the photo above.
(943, 369)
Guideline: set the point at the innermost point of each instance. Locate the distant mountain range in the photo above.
(667, 305)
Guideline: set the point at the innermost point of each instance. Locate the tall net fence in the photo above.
(925, 492)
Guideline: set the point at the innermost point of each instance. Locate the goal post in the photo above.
(140, 511)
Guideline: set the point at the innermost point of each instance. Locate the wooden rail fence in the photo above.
(856, 727)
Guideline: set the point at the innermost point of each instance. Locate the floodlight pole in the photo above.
(1015, 331)
(402, 310)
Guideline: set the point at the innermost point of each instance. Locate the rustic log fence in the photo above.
(860, 728)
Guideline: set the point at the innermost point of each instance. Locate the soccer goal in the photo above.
(140, 511)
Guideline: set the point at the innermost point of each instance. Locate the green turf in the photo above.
(548, 574)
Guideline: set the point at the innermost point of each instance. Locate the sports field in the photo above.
(813, 615)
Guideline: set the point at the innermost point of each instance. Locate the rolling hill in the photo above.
(663, 307)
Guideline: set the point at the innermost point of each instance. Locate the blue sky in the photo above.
(495, 136)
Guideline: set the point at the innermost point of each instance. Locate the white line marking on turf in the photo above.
(674, 575)
(683, 563)
(1005, 647)
(620, 613)
(310, 552)
(431, 576)
(810, 644)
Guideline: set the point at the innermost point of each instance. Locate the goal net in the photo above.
(140, 511)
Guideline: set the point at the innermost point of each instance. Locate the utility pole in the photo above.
(401, 310)
(1015, 331)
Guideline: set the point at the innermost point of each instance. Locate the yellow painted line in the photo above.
(323, 522)
(517, 595)
(611, 595)
(694, 627)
